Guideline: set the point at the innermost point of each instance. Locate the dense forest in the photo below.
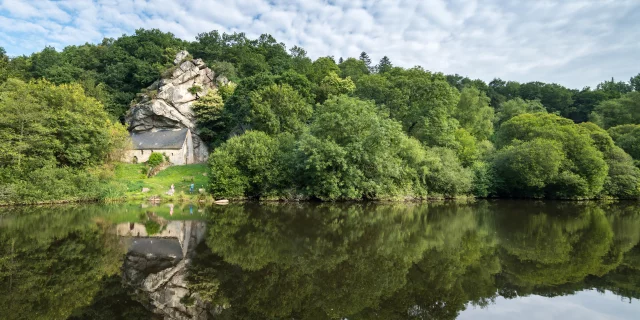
(295, 128)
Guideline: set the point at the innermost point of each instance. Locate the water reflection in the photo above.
(316, 261)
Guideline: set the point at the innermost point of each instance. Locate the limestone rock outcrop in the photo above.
(166, 104)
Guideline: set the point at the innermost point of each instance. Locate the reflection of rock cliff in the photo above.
(155, 267)
(166, 104)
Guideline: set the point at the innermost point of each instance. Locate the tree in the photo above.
(211, 120)
(627, 137)
(573, 167)
(615, 112)
(53, 135)
(246, 166)
(4, 63)
(635, 82)
(474, 113)
(614, 89)
(623, 178)
(423, 102)
(515, 107)
(332, 84)
(526, 169)
(364, 57)
(300, 62)
(384, 65)
(279, 108)
(584, 101)
(321, 68)
(353, 69)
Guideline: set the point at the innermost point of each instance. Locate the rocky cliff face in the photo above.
(166, 104)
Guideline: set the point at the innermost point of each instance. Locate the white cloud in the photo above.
(553, 41)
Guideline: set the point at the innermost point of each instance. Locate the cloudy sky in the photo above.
(572, 42)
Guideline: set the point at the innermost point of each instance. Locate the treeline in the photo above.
(296, 128)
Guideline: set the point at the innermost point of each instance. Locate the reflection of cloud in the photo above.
(575, 43)
(584, 305)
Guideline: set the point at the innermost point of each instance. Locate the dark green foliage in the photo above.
(353, 68)
(212, 120)
(276, 91)
(350, 152)
(627, 137)
(623, 110)
(155, 159)
(279, 108)
(547, 155)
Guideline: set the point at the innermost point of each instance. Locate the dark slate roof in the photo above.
(163, 139)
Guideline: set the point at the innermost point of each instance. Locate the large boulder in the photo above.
(166, 104)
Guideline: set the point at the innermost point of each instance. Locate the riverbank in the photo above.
(140, 187)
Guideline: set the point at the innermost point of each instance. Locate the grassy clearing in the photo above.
(180, 176)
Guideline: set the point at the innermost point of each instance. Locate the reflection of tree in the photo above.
(457, 271)
(329, 261)
(561, 244)
(112, 302)
(53, 262)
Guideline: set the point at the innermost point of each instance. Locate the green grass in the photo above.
(180, 176)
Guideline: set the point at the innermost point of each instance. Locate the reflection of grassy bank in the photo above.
(133, 176)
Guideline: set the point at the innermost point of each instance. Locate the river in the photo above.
(441, 260)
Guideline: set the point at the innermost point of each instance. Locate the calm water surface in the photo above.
(484, 260)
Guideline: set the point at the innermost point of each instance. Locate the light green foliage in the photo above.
(447, 177)
(423, 102)
(547, 155)
(155, 159)
(246, 166)
(474, 113)
(350, 152)
(194, 89)
(353, 152)
(624, 110)
(224, 68)
(623, 179)
(321, 68)
(239, 105)
(333, 85)
(353, 68)
(227, 90)
(627, 137)
(210, 117)
(51, 138)
(466, 150)
(279, 108)
(525, 169)
(517, 106)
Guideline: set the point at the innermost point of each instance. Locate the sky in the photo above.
(583, 305)
(575, 43)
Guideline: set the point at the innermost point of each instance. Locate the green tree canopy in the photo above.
(548, 155)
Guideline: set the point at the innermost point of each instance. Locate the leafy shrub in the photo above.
(194, 89)
(546, 155)
(155, 159)
(152, 227)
